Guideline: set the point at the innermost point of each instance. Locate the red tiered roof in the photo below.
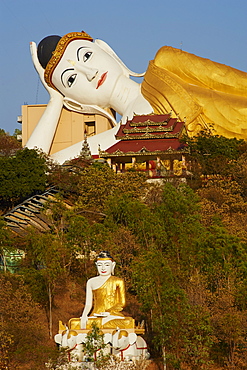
(151, 134)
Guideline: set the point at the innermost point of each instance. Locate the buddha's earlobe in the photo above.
(88, 109)
(97, 268)
(113, 267)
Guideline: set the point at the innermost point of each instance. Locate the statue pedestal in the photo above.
(139, 329)
(125, 344)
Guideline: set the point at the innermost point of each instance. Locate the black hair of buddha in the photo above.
(105, 254)
(45, 49)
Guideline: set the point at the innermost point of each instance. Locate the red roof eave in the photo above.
(150, 145)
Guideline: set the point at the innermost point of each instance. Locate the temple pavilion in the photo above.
(151, 143)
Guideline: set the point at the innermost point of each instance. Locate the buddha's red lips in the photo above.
(102, 80)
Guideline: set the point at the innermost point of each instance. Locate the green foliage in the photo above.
(22, 330)
(183, 254)
(60, 361)
(94, 346)
(214, 154)
(21, 176)
(205, 143)
(17, 132)
(174, 323)
(67, 178)
(8, 144)
(6, 238)
(240, 173)
(98, 182)
(176, 283)
(125, 211)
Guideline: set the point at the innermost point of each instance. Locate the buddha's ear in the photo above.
(87, 109)
(104, 46)
(97, 268)
(113, 267)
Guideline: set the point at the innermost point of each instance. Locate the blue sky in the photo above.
(135, 29)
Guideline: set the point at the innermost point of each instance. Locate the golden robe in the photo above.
(199, 91)
(110, 297)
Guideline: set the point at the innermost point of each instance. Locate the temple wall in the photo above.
(71, 126)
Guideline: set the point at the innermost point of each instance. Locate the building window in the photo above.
(90, 128)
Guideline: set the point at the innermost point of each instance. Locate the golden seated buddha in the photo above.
(105, 299)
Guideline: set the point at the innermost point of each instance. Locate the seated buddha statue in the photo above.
(105, 299)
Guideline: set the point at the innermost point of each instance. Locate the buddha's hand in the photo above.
(83, 322)
(54, 94)
(104, 314)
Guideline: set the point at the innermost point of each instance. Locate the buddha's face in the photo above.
(86, 73)
(105, 267)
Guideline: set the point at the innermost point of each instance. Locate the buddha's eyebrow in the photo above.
(68, 69)
(82, 47)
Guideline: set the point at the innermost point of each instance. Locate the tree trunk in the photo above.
(50, 312)
(164, 356)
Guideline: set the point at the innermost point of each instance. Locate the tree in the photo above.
(94, 346)
(17, 132)
(6, 238)
(8, 144)
(134, 214)
(98, 182)
(181, 332)
(21, 175)
(53, 257)
(6, 341)
(24, 340)
(45, 265)
(67, 177)
(162, 274)
(213, 154)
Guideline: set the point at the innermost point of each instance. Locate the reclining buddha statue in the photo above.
(86, 76)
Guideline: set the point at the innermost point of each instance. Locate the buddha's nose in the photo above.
(90, 73)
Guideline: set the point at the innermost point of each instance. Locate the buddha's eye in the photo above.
(71, 80)
(86, 56)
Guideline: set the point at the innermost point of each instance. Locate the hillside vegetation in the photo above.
(181, 248)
